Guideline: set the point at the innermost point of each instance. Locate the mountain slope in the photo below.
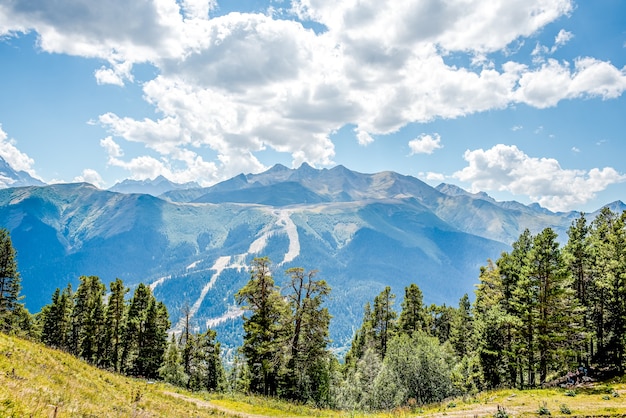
(36, 381)
(361, 231)
(154, 187)
(10, 177)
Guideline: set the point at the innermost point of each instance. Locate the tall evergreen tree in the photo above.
(309, 336)
(515, 296)
(88, 319)
(578, 257)
(413, 315)
(10, 285)
(610, 254)
(172, 370)
(462, 328)
(133, 337)
(56, 319)
(265, 330)
(152, 345)
(206, 370)
(115, 321)
(384, 320)
(557, 316)
(492, 327)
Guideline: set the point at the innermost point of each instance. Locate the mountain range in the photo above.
(362, 232)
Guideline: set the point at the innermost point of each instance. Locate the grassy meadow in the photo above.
(36, 381)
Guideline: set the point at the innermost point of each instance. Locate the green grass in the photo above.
(36, 381)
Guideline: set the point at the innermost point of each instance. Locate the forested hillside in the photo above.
(541, 312)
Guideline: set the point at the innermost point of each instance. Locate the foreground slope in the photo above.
(36, 381)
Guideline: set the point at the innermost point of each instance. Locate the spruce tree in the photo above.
(88, 319)
(10, 285)
(172, 370)
(206, 370)
(309, 336)
(265, 330)
(56, 319)
(413, 315)
(384, 322)
(144, 339)
(578, 257)
(115, 321)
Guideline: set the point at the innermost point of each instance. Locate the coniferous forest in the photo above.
(540, 311)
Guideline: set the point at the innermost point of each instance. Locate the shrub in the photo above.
(501, 413)
(543, 409)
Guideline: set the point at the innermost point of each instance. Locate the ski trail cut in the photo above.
(232, 313)
(286, 223)
(220, 265)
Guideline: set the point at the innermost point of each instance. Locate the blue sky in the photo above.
(523, 99)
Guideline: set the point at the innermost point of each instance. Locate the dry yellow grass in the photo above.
(36, 381)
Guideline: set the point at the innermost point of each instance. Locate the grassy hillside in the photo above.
(36, 381)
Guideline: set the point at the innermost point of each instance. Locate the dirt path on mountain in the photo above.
(206, 404)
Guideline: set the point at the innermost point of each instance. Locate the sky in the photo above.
(522, 99)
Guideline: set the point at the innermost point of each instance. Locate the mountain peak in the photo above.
(9, 177)
(453, 190)
(154, 187)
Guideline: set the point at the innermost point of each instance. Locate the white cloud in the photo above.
(90, 176)
(18, 160)
(432, 176)
(231, 86)
(562, 38)
(554, 81)
(507, 168)
(363, 138)
(425, 144)
(112, 148)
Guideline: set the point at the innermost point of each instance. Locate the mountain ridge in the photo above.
(361, 231)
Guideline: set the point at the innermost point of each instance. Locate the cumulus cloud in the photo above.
(18, 160)
(90, 176)
(562, 38)
(363, 137)
(425, 144)
(231, 86)
(432, 176)
(507, 168)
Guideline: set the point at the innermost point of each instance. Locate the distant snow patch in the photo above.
(232, 313)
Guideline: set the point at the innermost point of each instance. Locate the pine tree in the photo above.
(10, 285)
(88, 319)
(492, 327)
(557, 316)
(309, 337)
(266, 332)
(462, 328)
(56, 319)
(145, 334)
(134, 329)
(154, 342)
(515, 295)
(206, 370)
(384, 320)
(412, 316)
(172, 370)
(610, 285)
(115, 321)
(578, 257)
